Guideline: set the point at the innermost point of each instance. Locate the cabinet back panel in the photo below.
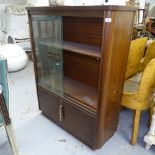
(82, 68)
(83, 30)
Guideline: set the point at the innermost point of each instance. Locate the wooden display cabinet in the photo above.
(80, 55)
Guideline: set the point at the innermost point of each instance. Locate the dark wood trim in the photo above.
(83, 8)
(79, 11)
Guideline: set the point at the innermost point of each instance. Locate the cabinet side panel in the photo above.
(116, 41)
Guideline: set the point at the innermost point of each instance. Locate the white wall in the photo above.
(152, 2)
(12, 1)
(116, 2)
(94, 2)
(3, 3)
(110, 2)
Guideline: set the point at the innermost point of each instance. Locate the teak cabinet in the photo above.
(80, 55)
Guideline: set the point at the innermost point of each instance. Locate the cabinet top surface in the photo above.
(83, 8)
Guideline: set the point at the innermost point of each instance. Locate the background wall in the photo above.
(94, 2)
(67, 2)
(152, 2)
(3, 3)
(12, 1)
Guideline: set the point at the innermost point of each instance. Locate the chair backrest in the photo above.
(4, 82)
(150, 54)
(136, 53)
(147, 83)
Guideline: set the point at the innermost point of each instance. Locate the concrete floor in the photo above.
(36, 135)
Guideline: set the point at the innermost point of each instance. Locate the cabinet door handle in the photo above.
(61, 112)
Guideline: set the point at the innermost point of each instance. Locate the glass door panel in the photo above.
(47, 35)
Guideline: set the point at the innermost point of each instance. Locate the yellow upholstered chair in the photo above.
(136, 53)
(141, 97)
(149, 55)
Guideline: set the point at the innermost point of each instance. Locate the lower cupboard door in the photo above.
(79, 123)
(72, 118)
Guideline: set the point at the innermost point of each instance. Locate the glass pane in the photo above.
(47, 34)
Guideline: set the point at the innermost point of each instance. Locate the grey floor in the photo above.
(36, 135)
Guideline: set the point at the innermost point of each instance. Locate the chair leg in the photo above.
(11, 137)
(8, 126)
(135, 127)
(151, 110)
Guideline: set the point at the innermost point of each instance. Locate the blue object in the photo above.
(4, 82)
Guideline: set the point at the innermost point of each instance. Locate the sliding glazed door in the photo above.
(47, 35)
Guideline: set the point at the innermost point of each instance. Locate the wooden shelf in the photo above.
(81, 92)
(88, 50)
(82, 49)
(85, 95)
